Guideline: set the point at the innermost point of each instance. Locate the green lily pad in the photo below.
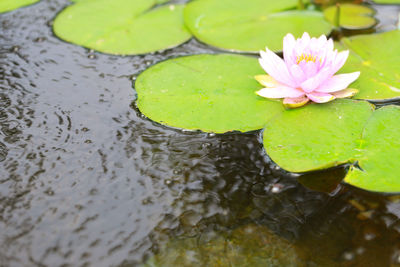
(8, 5)
(213, 93)
(122, 26)
(317, 136)
(387, 1)
(250, 25)
(377, 57)
(162, 1)
(157, 1)
(352, 17)
(379, 153)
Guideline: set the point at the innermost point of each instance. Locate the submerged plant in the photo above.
(306, 72)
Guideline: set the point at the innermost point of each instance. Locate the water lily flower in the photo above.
(306, 72)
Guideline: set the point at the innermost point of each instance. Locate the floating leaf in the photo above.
(379, 153)
(377, 57)
(8, 5)
(317, 136)
(156, 1)
(250, 25)
(122, 26)
(387, 1)
(162, 1)
(213, 93)
(352, 17)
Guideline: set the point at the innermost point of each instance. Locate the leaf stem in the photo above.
(300, 5)
(337, 16)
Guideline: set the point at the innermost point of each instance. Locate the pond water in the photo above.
(85, 180)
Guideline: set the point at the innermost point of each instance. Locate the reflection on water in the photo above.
(86, 180)
(249, 245)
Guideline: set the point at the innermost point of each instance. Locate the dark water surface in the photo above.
(86, 181)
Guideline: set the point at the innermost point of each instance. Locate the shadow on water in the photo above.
(85, 180)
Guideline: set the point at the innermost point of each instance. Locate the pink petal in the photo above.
(302, 44)
(312, 83)
(309, 68)
(289, 43)
(314, 45)
(325, 51)
(297, 73)
(338, 82)
(322, 41)
(339, 61)
(305, 39)
(326, 45)
(320, 97)
(295, 102)
(327, 58)
(330, 44)
(280, 91)
(275, 67)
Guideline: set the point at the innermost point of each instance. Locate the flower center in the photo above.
(306, 58)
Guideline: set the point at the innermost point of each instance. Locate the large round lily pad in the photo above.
(352, 17)
(250, 25)
(316, 136)
(379, 153)
(8, 5)
(213, 93)
(122, 26)
(377, 57)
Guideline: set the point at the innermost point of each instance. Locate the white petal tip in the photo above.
(265, 80)
(346, 93)
(321, 98)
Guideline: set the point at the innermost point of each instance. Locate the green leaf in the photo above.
(317, 136)
(352, 17)
(157, 1)
(122, 26)
(8, 5)
(250, 25)
(387, 1)
(379, 153)
(377, 57)
(213, 93)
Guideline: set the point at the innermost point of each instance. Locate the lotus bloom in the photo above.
(306, 72)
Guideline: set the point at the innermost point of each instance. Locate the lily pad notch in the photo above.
(351, 16)
(240, 25)
(379, 153)
(343, 132)
(380, 76)
(316, 136)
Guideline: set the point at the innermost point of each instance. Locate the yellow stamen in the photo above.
(306, 58)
